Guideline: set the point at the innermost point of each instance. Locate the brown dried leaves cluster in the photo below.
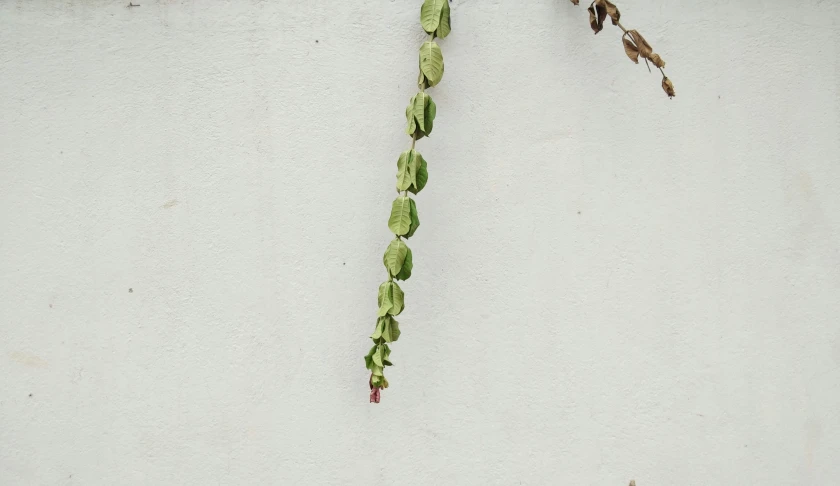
(635, 45)
(598, 12)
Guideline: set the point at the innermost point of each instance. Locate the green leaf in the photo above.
(385, 302)
(395, 256)
(380, 328)
(377, 356)
(386, 355)
(420, 114)
(430, 14)
(415, 221)
(392, 331)
(422, 83)
(384, 293)
(422, 176)
(413, 166)
(376, 370)
(419, 103)
(400, 220)
(369, 358)
(405, 177)
(405, 270)
(431, 62)
(377, 379)
(431, 112)
(444, 28)
(398, 298)
(409, 117)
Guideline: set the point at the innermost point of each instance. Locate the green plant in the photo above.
(412, 172)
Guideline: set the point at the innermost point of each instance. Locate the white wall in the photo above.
(608, 285)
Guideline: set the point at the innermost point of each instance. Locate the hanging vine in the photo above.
(412, 172)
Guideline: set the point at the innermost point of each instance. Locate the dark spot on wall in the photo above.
(30, 395)
(130, 291)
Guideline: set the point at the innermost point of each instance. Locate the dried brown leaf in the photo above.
(576, 2)
(657, 61)
(611, 9)
(645, 50)
(630, 49)
(597, 14)
(668, 86)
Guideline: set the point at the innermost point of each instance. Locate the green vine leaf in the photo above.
(400, 220)
(431, 62)
(420, 115)
(415, 221)
(377, 356)
(434, 17)
(405, 177)
(380, 329)
(398, 298)
(386, 355)
(384, 300)
(391, 330)
(445, 26)
(408, 265)
(395, 256)
(422, 82)
(431, 113)
(391, 302)
(412, 172)
(419, 103)
(409, 117)
(419, 176)
(430, 14)
(413, 167)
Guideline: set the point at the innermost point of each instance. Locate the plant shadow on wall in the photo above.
(412, 171)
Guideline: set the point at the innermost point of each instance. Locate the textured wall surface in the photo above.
(608, 284)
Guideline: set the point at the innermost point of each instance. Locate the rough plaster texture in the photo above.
(608, 285)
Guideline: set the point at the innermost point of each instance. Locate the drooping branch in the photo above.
(635, 45)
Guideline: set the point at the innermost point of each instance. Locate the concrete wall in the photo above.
(608, 284)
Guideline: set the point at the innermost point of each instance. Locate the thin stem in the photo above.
(621, 27)
(618, 24)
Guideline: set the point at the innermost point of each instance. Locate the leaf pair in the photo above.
(431, 64)
(412, 173)
(404, 220)
(376, 360)
(598, 11)
(398, 260)
(434, 17)
(391, 299)
(420, 114)
(635, 45)
(387, 330)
